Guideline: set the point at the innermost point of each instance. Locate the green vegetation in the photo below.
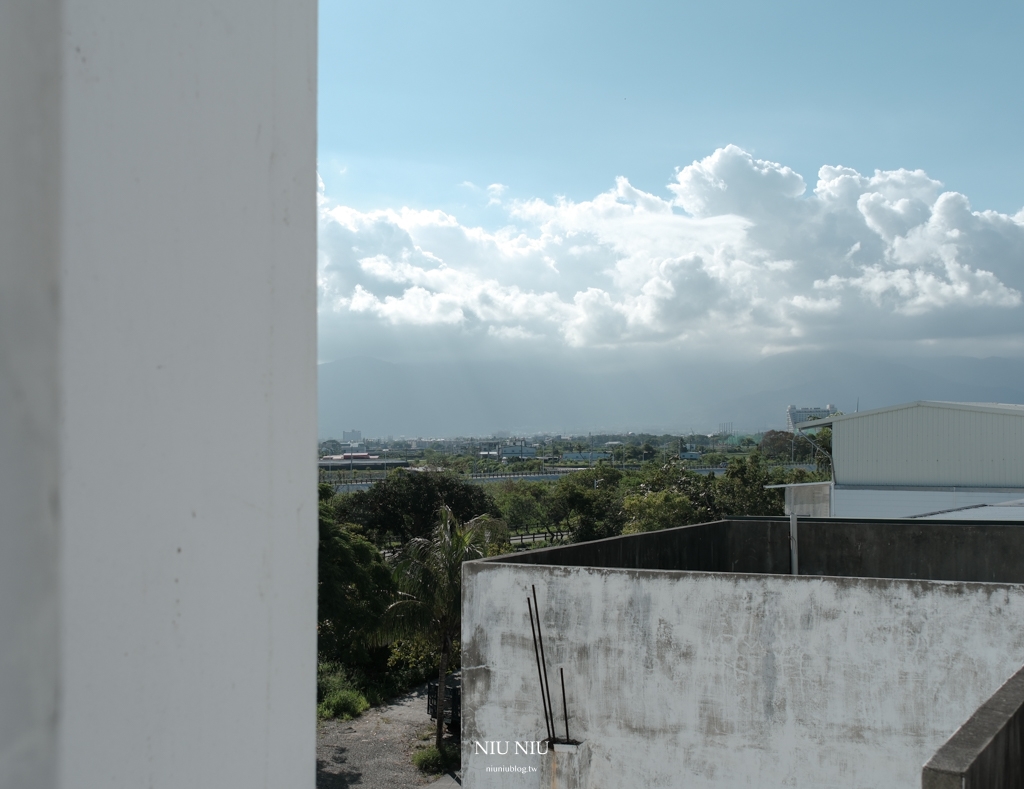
(335, 695)
(405, 506)
(433, 760)
(429, 594)
(387, 624)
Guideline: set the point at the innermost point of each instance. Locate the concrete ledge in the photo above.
(987, 750)
(567, 766)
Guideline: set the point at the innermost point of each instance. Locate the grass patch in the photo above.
(335, 694)
(431, 761)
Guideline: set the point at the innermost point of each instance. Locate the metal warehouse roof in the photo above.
(1004, 511)
(1012, 409)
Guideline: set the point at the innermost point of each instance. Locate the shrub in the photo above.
(335, 695)
(431, 761)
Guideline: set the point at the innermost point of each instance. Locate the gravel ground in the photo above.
(374, 751)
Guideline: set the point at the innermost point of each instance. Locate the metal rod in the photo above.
(540, 675)
(794, 548)
(565, 708)
(543, 660)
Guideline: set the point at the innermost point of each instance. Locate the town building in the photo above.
(585, 457)
(716, 655)
(520, 451)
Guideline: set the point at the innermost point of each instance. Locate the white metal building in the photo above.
(925, 457)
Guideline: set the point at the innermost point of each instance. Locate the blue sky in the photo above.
(668, 181)
(559, 98)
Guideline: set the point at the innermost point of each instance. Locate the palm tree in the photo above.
(429, 580)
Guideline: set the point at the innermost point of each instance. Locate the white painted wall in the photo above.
(896, 503)
(29, 208)
(181, 150)
(715, 680)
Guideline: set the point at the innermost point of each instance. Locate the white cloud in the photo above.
(738, 253)
(494, 192)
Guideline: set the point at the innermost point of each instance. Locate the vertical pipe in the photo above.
(794, 553)
(543, 660)
(565, 708)
(540, 676)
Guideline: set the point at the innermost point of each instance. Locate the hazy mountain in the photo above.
(446, 398)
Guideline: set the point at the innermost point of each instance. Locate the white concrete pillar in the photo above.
(29, 371)
(161, 179)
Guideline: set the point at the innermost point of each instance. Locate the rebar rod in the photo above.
(540, 675)
(543, 661)
(565, 708)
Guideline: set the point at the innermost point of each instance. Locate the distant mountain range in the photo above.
(525, 396)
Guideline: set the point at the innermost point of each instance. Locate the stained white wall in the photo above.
(180, 235)
(29, 244)
(716, 680)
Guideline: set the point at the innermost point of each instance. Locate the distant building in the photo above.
(518, 452)
(352, 435)
(804, 413)
(689, 455)
(582, 457)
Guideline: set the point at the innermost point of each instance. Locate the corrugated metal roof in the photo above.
(1014, 409)
(1004, 511)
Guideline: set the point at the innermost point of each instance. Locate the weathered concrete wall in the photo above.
(928, 550)
(719, 680)
(987, 752)
(736, 546)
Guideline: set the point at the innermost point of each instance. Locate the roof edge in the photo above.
(1009, 409)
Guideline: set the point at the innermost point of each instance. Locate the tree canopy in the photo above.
(405, 505)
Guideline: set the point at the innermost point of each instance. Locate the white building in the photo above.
(923, 457)
(795, 416)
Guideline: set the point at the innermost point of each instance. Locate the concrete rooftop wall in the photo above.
(724, 680)
(929, 550)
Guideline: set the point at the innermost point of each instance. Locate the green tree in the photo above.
(406, 503)
(783, 445)
(588, 504)
(742, 491)
(429, 598)
(822, 441)
(354, 586)
(523, 505)
(655, 511)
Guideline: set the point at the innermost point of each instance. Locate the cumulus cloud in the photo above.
(737, 251)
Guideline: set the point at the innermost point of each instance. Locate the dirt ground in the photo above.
(374, 751)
